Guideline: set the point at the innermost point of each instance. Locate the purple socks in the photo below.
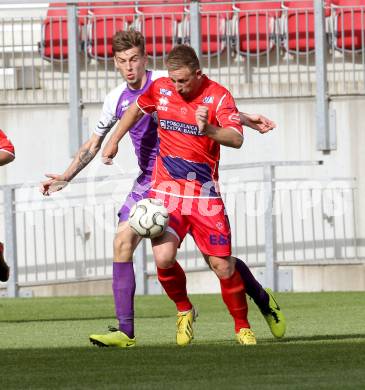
(124, 287)
(253, 287)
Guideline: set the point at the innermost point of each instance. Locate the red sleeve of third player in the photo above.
(146, 101)
(227, 113)
(5, 144)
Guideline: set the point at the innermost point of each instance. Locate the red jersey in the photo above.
(5, 144)
(187, 163)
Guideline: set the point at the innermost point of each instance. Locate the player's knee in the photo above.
(222, 267)
(164, 258)
(123, 246)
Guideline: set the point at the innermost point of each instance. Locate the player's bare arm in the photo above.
(6, 158)
(83, 157)
(130, 117)
(224, 136)
(7, 152)
(257, 122)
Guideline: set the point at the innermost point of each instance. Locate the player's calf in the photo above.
(264, 299)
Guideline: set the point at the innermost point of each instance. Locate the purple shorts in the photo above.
(140, 190)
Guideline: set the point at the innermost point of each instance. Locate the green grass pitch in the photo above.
(44, 345)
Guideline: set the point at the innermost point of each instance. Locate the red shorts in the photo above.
(205, 219)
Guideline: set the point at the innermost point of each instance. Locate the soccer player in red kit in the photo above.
(7, 155)
(195, 116)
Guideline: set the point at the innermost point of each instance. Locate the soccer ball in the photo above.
(149, 218)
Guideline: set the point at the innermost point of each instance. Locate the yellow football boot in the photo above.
(184, 327)
(115, 338)
(246, 337)
(275, 317)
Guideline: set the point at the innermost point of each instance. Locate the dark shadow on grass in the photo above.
(55, 320)
(287, 340)
(111, 318)
(229, 366)
(317, 338)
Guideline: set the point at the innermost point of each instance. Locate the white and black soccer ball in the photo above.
(149, 218)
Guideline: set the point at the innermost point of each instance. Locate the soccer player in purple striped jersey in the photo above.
(131, 61)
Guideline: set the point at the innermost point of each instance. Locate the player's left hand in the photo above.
(53, 184)
(259, 122)
(109, 152)
(201, 117)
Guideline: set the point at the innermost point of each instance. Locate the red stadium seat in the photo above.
(108, 18)
(54, 45)
(300, 26)
(256, 26)
(214, 26)
(159, 25)
(349, 26)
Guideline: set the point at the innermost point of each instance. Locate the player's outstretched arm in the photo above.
(257, 122)
(6, 158)
(7, 151)
(84, 155)
(130, 117)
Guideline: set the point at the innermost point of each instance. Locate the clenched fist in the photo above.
(201, 117)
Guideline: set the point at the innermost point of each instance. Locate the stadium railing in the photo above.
(160, 25)
(216, 31)
(257, 49)
(275, 222)
(106, 19)
(54, 43)
(257, 28)
(299, 26)
(349, 23)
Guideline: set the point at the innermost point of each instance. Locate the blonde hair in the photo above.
(182, 56)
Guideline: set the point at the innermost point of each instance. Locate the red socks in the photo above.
(234, 296)
(173, 280)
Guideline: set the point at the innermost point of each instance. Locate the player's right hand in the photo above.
(54, 184)
(201, 117)
(109, 152)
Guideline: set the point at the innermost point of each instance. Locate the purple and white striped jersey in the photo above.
(144, 132)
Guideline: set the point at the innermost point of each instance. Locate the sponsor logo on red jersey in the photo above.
(208, 100)
(185, 128)
(166, 92)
